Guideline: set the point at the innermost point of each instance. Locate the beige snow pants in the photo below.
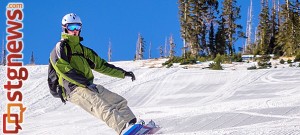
(105, 105)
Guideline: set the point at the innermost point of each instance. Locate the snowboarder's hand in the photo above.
(93, 87)
(130, 74)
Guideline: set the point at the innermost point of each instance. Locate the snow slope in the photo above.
(182, 101)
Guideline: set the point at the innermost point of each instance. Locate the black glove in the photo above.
(93, 87)
(130, 74)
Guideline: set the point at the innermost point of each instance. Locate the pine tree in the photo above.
(248, 47)
(296, 25)
(212, 11)
(211, 46)
(161, 52)
(264, 29)
(231, 13)
(190, 25)
(287, 38)
(220, 41)
(217, 63)
(150, 45)
(195, 16)
(140, 48)
(198, 27)
(109, 53)
(172, 47)
(274, 28)
(184, 16)
(203, 44)
(32, 61)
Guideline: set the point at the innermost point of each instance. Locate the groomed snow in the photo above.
(182, 100)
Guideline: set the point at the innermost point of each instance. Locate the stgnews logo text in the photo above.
(16, 73)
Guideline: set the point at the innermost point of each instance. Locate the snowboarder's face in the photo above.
(73, 28)
(74, 32)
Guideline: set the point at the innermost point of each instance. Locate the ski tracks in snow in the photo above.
(149, 87)
(182, 101)
(224, 109)
(36, 92)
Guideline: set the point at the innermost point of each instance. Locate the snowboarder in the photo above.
(73, 64)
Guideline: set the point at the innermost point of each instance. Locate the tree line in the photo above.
(210, 27)
(168, 50)
(208, 30)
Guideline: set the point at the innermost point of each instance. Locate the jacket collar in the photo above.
(72, 40)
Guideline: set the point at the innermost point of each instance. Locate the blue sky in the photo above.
(103, 21)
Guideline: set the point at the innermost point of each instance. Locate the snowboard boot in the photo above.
(128, 126)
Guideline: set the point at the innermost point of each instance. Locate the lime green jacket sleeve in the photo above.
(100, 65)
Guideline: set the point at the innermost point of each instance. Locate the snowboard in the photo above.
(142, 129)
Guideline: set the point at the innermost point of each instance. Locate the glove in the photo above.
(130, 74)
(93, 87)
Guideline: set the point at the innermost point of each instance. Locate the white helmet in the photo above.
(70, 18)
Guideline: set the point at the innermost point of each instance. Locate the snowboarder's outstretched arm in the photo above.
(100, 65)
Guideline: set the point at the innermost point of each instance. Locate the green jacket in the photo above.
(75, 68)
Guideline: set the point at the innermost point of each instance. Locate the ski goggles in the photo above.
(73, 26)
